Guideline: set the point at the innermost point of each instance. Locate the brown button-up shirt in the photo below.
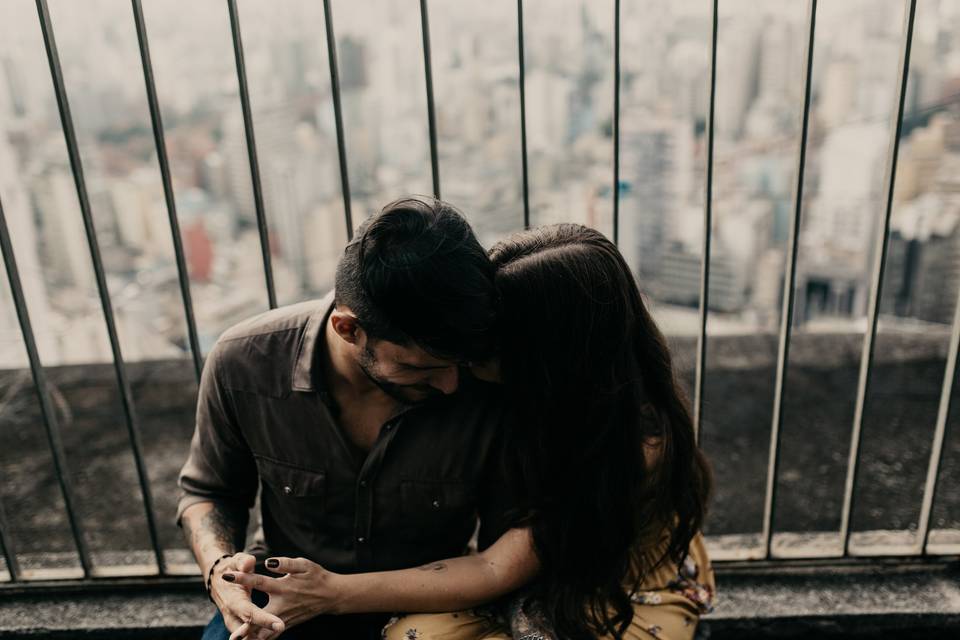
(264, 417)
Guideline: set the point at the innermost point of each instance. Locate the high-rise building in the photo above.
(845, 209)
(236, 167)
(65, 252)
(922, 273)
(679, 281)
(19, 217)
(13, 91)
(738, 68)
(652, 189)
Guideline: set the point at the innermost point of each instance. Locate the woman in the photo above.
(614, 486)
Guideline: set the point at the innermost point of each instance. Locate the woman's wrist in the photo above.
(336, 593)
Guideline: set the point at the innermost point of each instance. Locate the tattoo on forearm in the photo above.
(433, 566)
(220, 527)
(225, 525)
(188, 532)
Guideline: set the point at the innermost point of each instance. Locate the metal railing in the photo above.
(764, 551)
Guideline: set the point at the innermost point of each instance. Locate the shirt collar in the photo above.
(305, 376)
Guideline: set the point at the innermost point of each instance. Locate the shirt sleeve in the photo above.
(220, 466)
(499, 507)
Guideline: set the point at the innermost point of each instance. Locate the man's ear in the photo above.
(346, 326)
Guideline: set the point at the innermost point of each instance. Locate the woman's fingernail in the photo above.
(273, 563)
(277, 626)
(228, 577)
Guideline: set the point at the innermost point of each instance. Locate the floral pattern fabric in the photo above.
(666, 606)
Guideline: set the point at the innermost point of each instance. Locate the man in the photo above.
(372, 449)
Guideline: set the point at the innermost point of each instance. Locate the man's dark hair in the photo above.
(415, 273)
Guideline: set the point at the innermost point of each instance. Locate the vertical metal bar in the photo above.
(786, 317)
(50, 423)
(9, 553)
(163, 161)
(707, 231)
(252, 151)
(876, 290)
(431, 111)
(939, 436)
(616, 122)
(73, 151)
(49, 419)
(523, 117)
(338, 117)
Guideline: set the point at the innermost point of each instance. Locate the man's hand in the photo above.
(307, 590)
(213, 530)
(233, 599)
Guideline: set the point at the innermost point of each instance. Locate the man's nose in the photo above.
(447, 380)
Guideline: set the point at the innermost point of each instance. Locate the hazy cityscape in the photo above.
(569, 84)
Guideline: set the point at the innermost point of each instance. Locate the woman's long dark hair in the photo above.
(593, 385)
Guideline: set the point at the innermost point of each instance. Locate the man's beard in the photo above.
(399, 392)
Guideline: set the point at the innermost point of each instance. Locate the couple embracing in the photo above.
(453, 444)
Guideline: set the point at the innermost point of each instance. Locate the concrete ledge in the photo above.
(163, 612)
(866, 601)
(822, 601)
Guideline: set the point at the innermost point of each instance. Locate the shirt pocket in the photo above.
(295, 488)
(434, 504)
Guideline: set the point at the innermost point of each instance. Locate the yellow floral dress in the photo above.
(667, 606)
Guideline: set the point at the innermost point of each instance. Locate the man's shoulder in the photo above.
(258, 354)
(293, 317)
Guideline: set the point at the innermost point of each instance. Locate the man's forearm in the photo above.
(213, 529)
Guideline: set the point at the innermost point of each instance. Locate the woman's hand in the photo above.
(306, 590)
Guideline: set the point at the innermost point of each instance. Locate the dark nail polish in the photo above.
(273, 563)
(228, 577)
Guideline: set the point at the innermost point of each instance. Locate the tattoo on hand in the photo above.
(433, 566)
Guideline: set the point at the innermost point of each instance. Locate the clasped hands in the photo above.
(302, 589)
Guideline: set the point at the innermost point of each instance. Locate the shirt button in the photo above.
(361, 539)
(388, 427)
(363, 483)
(287, 489)
(436, 504)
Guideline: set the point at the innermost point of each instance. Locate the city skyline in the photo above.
(569, 93)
